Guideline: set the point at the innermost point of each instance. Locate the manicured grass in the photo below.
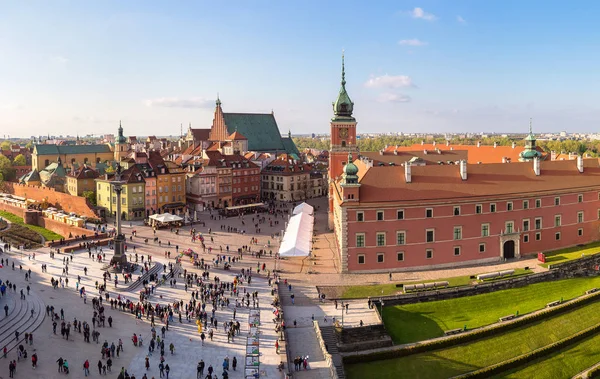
(482, 353)
(49, 235)
(571, 253)
(563, 364)
(421, 321)
(362, 292)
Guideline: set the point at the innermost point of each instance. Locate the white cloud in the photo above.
(389, 97)
(389, 81)
(59, 59)
(174, 102)
(412, 42)
(461, 20)
(421, 14)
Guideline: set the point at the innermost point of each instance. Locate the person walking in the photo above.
(234, 363)
(100, 367)
(86, 367)
(167, 369)
(147, 363)
(200, 369)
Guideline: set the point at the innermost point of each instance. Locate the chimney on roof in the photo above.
(380, 152)
(514, 144)
(451, 148)
(570, 155)
(536, 166)
(463, 169)
(396, 152)
(422, 142)
(495, 144)
(447, 143)
(503, 159)
(425, 151)
(553, 155)
(369, 163)
(433, 143)
(438, 151)
(580, 163)
(478, 143)
(407, 172)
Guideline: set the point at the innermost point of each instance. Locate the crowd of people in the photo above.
(212, 302)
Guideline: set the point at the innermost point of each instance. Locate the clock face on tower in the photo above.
(343, 132)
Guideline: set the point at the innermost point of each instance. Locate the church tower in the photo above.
(121, 145)
(343, 136)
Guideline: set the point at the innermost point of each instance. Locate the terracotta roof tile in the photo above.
(443, 182)
(483, 153)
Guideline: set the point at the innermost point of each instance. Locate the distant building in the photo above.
(132, 197)
(260, 130)
(81, 180)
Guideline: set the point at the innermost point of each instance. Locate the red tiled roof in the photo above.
(443, 182)
(201, 134)
(404, 156)
(483, 153)
(237, 136)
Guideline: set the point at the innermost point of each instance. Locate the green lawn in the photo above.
(571, 253)
(362, 292)
(49, 235)
(421, 321)
(485, 352)
(563, 364)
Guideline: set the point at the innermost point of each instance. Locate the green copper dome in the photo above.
(530, 152)
(350, 172)
(343, 106)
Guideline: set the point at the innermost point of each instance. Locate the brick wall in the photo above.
(60, 200)
(62, 228)
(53, 225)
(14, 210)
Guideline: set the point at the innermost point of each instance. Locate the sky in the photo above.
(80, 67)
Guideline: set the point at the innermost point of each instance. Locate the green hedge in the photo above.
(471, 336)
(532, 355)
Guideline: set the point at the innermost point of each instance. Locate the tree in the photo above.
(109, 170)
(29, 145)
(19, 160)
(90, 196)
(5, 145)
(6, 168)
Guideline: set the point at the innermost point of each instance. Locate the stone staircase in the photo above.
(303, 295)
(19, 319)
(330, 338)
(156, 269)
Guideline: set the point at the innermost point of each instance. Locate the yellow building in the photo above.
(170, 184)
(132, 196)
(81, 180)
(70, 155)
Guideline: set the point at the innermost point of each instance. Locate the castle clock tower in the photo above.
(343, 137)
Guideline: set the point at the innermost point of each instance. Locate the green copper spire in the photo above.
(530, 152)
(218, 100)
(120, 137)
(343, 106)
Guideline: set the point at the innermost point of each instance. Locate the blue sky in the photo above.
(437, 66)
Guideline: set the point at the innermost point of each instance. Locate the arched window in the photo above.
(343, 143)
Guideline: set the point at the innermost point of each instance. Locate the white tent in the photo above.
(304, 208)
(165, 217)
(297, 240)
